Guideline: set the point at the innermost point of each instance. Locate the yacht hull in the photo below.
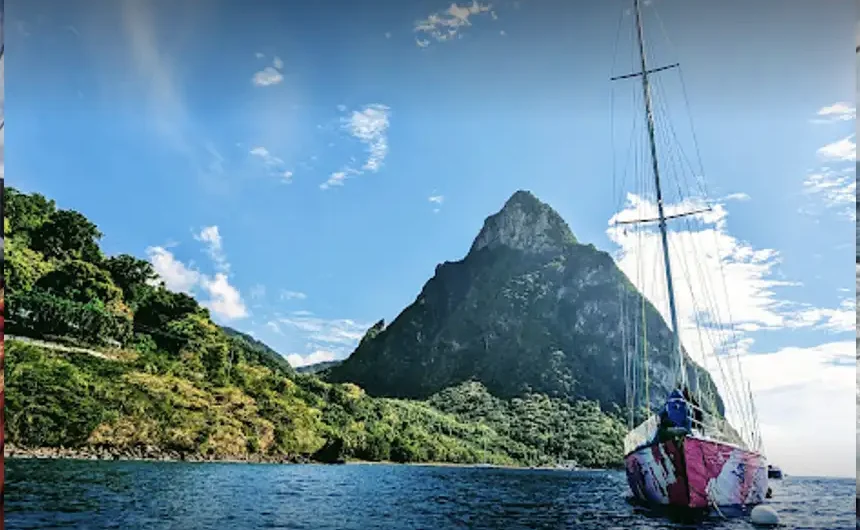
(695, 473)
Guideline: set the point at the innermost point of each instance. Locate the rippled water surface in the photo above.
(80, 494)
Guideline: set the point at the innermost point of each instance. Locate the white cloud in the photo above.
(259, 55)
(837, 189)
(842, 319)
(175, 275)
(437, 199)
(445, 25)
(844, 150)
(319, 356)
(336, 179)
(736, 197)
(840, 111)
(387, 34)
(370, 126)
(338, 335)
(268, 158)
(273, 164)
(268, 76)
(341, 108)
(293, 295)
(224, 299)
(422, 43)
(801, 393)
(211, 237)
(710, 268)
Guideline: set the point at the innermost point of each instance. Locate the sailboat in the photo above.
(683, 455)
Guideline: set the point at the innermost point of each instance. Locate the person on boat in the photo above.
(674, 417)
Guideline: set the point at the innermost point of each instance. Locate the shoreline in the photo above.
(155, 455)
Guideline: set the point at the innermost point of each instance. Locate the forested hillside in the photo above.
(162, 380)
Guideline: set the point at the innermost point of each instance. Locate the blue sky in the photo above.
(202, 136)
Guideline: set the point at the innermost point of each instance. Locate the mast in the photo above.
(661, 217)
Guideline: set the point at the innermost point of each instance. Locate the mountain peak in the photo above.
(524, 223)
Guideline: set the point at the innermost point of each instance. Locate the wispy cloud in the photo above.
(293, 295)
(437, 200)
(268, 158)
(319, 356)
(273, 164)
(844, 150)
(258, 292)
(167, 106)
(337, 337)
(335, 179)
(270, 75)
(840, 111)
(370, 126)
(834, 189)
(211, 237)
(736, 197)
(447, 24)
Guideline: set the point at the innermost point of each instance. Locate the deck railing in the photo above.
(710, 426)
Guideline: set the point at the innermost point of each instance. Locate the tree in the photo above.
(23, 266)
(132, 276)
(68, 235)
(81, 282)
(25, 213)
(199, 340)
(161, 306)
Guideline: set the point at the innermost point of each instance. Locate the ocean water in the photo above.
(47, 494)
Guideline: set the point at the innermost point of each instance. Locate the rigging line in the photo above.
(732, 336)
(666, 121)
(665, 33)
(681, 153)
(731, 394)
(715, 311)
(619, 206)
(612, 98)
(695, 245)
(742, 407)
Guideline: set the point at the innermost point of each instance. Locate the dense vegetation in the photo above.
(167, 381)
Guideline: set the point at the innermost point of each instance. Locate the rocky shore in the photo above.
(140, 453)
(154, 454)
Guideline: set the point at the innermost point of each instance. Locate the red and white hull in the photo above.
(696, 473)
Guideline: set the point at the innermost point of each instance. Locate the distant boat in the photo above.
(774, 472)
(683, 456)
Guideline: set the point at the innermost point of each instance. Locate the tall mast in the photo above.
(646, 90)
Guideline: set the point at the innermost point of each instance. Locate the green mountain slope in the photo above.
(529, 309)
(159, 379)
